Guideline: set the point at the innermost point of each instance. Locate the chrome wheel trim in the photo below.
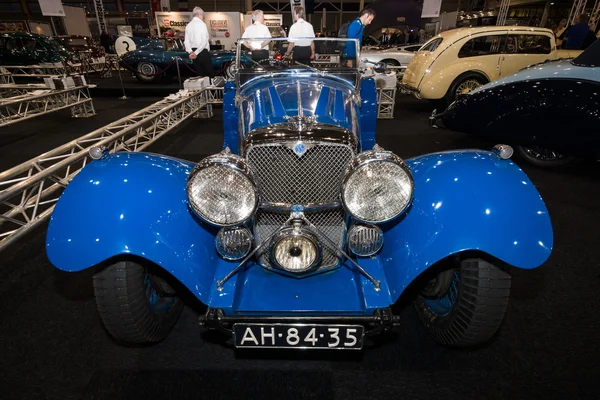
(542, 154)
(467, 86)
(146, 69)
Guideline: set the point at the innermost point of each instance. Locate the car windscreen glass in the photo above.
(432, 45)
(320, 54)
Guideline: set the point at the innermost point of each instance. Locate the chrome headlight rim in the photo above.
(219, 241)
(227, 160)
(365, 158)
(295, 232)
(356, 228)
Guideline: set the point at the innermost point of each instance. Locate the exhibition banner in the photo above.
(431, 8)
(75, 21)
(176, 21)
(273, 20)
(52, 8)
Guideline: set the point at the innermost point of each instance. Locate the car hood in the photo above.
(322, 100)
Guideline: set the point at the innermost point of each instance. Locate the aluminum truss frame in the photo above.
(12, 90)
(386, 101)
(6, 77)
(503, 12)
(595, 16)
(29, 191)
(26, 106)
(577, 9)
(44, 71)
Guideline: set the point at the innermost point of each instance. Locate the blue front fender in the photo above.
(133, 203)
(466, 200)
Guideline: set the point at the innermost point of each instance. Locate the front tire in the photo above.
(544, 158)
(469, 305)
(136, 306)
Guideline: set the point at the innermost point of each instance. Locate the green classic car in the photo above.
(22, 48)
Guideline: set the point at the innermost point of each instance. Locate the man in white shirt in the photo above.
(303, 50)
(197, 44)
(258, 30)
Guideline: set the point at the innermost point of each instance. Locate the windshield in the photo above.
(322, 54)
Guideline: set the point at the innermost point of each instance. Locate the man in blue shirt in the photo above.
(577, 33)
(355, 31)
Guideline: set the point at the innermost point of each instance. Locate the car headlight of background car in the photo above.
(377, 186)
(221, 190)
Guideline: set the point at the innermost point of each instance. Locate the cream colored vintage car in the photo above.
(460, 60)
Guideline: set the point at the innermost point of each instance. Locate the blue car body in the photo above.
(135, 204)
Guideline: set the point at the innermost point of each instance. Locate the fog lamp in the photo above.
(234, 243)
(365, 240)
(295, 250)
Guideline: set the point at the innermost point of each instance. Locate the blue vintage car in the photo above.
(153, 60)
(550, 111)
(302, 232)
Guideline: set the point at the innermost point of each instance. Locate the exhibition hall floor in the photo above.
(54, 345)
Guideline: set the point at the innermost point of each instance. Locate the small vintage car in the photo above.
(22, 48)
(460, 60)
(302, 232)
(549, 112)
(153, 60)
(393, 56)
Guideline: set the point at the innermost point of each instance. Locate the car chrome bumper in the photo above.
(434, 120)
(382, 319)
(406, 89)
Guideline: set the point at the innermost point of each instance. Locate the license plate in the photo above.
(298, 336)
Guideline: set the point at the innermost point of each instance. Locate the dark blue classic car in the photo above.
(22, 48)
(549, 111)
(302, 232)
(154, 59)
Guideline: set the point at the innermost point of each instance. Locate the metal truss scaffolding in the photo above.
(29, 192)
(595, 16)
(55, 69)
(6, 77)
(386, 101)
(13, 90)
(29, 105)
(503, 13)
(576, 10)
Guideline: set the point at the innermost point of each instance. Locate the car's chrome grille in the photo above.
(330, 222)
(284, 177)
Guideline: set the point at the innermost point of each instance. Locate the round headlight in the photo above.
(221, 190)
(377, 186)
(295, 250)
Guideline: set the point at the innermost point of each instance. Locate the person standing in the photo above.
(577, 34)
(355, 31)
(303, 50)
(558, 32)
(258, 30)
(197, 44)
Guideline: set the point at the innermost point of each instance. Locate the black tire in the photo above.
(145, 72)
(123, 294)
(464, 79)
(481, 293)
(391, 62)
(544, 158)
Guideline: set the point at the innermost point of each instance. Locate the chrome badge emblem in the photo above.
(300, 148)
